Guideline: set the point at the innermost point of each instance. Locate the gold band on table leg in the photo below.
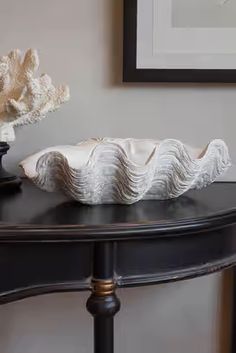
(103, 287)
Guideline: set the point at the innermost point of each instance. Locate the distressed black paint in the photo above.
(51, 244)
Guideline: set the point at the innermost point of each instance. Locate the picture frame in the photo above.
(206, 54)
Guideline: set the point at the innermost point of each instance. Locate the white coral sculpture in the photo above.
(24, 99)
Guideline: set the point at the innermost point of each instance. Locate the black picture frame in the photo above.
(132, 74)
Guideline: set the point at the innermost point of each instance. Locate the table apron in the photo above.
(28, 269)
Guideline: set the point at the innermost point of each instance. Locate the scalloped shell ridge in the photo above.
(109, 176)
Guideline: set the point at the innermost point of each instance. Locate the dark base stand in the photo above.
(7, 181)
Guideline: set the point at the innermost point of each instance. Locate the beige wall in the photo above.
(80, 42)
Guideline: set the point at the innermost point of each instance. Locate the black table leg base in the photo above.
(103, 304)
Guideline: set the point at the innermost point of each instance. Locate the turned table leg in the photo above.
(103, 303)
(233, 329)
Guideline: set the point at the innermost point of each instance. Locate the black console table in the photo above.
(50, 244)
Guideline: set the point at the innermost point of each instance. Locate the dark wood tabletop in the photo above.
(49, 243)
(32, 214)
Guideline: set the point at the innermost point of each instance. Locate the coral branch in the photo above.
(23, 98)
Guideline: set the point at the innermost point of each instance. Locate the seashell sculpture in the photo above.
(23, 98)
(124, 171)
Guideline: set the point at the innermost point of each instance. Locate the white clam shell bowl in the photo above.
(124, 171)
